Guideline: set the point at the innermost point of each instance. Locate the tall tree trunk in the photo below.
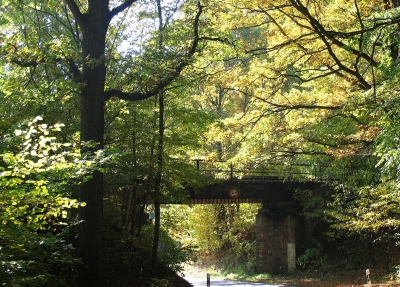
(93, 23)
(156, 240)
(140, 221)
(160, 148)
(157, 190)
(94, 29)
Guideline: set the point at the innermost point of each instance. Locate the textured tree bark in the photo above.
(94, 29)
(157, 188)
(160, 149)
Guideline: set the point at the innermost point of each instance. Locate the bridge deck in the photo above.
(252, 190)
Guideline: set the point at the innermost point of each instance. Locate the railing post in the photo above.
(208, 280)
(368, 275)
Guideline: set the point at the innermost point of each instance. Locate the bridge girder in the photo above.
(239, 191)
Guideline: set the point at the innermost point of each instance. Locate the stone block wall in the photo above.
(276, 240)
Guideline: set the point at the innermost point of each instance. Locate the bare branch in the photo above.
(33, 63)
(74, 70)
(292, 152)
(216, 39)
(75, 11)
(281, 107)
(122, 7)
(129, 96)
(299, 106)
(324, 36)
(136, 96)
(28, 64)
(339, 142)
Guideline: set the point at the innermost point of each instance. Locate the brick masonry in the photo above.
(276, 239)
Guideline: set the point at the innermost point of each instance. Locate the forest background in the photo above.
(105, 105)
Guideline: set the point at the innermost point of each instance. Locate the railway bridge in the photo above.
(281, 230)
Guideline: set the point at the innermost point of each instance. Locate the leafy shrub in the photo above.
(32, 259)
(170, 252)
(313, 257)
(35, 207)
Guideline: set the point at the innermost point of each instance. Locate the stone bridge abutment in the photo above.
(281, 234)
(281, 231)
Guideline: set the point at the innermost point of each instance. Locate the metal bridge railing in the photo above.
(266, 172)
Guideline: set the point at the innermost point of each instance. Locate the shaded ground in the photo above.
(128, 266)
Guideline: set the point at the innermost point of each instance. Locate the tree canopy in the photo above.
(143, 88)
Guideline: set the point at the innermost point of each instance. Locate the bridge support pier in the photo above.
(276, 239)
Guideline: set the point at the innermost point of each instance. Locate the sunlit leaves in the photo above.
(374, 209)
(215, 227)
(301, 76)
(35, 181)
